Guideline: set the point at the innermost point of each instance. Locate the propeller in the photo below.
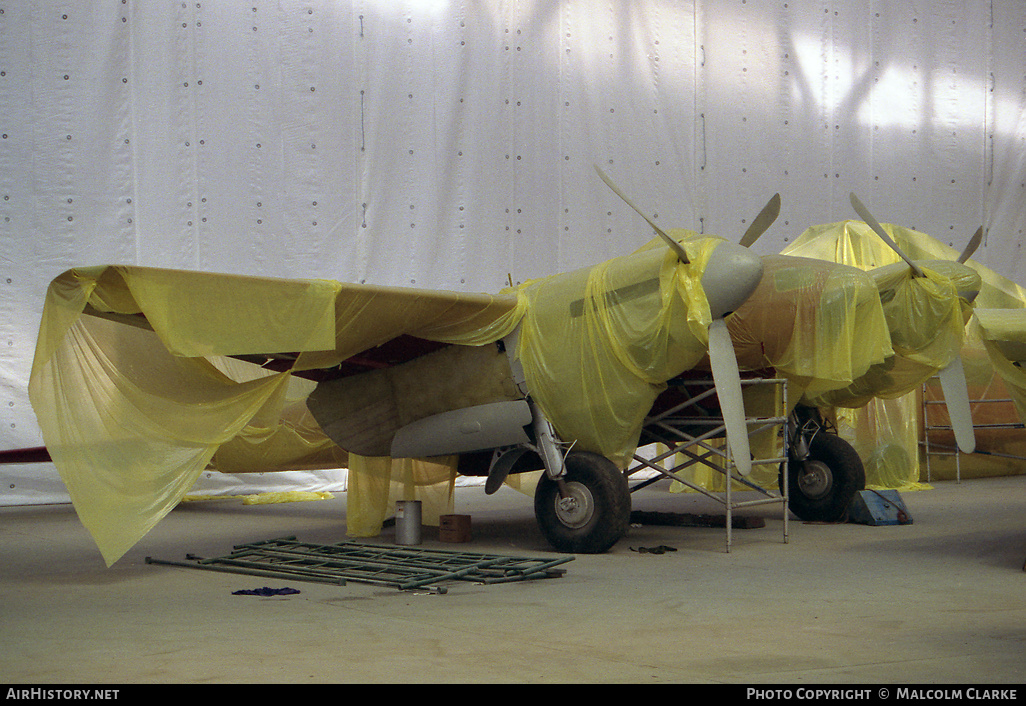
(674, 245)
(956, 399)
(952, 377)
(970, 247)
(762, 222)
(866, 216)
(731, 275)
(727, 379)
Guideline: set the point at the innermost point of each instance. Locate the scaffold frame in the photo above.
(685, 430)
(402, 567)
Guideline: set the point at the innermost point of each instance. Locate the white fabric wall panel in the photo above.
(628, 106)
(450, 143)
(1004, 152)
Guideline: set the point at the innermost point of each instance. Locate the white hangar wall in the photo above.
(450, 143)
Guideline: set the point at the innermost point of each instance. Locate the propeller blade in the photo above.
(762, 222)
(956, 398)
(970, 248)
(674, 245)
(728, 390)
(866, 216)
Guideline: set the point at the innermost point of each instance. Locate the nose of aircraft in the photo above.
(732, 274)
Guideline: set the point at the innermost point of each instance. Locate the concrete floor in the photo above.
(937, 601)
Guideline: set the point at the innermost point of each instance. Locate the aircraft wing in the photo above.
(1003, 333)
(135, 400)
(301, 325)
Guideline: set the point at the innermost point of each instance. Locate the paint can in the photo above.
(407, 522)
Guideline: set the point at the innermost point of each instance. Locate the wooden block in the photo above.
(454, 528)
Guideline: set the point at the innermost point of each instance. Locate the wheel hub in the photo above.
(815, 479)
(576, 506)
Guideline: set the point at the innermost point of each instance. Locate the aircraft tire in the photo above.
(822, 486)
(599, 514)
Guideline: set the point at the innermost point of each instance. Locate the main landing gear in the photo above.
(824, 472)
(586, 511)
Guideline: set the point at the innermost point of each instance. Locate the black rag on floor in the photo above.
(265, 591)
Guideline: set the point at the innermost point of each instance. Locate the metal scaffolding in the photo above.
(687, 426)
(930, 423)
(405, 568)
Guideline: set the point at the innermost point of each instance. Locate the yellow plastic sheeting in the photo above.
(817, 323)
(376, 483)
(763, 400)
(1003, 335)
(925, 316)
(998, 446)
(367, 316)
(598, 344)
(926, 320)
(1000, 442)
(886, 443)
(132, 416)
(280, 436)
(195, 314)
(130, 427)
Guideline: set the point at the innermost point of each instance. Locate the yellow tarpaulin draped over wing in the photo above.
(282, 435)
(595, 388)
(197, 314)
(130, 427)
(1003, 335)
(367, 316)
(131, 416)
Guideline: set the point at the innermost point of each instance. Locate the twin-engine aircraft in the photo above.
(135, 398)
